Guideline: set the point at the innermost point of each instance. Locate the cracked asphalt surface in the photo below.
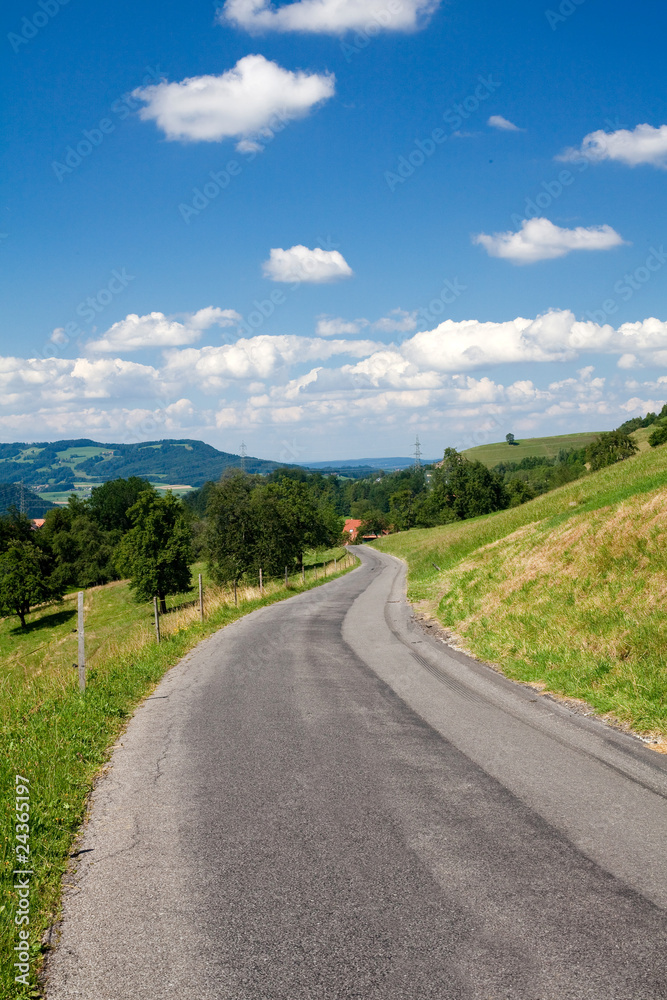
(325, 801)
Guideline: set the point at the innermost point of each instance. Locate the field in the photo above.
(60, 739)
(567, 592)
(492, 454)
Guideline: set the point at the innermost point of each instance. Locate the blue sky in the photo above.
(326, 226)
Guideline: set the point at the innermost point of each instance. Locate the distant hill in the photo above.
(22, 499)
(366, 464)
(492, 454)
(56, 466)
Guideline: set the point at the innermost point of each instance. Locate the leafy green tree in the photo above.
(519, 492)
(155, 552)
(402, 509)
(374, 523)
(615, 446)
(23, 580)
(14, 527)
(84, 553)
(289, 520)
(110, 503)
(231, 528)
(510, 439)
(658, 436)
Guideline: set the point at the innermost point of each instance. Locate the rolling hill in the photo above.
(56, 466)
(492, 454)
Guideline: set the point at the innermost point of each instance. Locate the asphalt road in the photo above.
(324, 801)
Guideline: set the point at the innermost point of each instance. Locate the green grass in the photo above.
(59, 739)
(568, 591)
(491, 454)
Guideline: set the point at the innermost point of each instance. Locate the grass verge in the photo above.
(567, 592)
(59, 739)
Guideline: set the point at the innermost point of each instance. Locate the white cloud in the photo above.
(301, 264)
(540, 239)
(433, 380)
(643, 145)
(58, 380)
(255, 358)
(255, 98)
(504, 124)
(334, 326)
(157, 330)
(398, 321)
(328, 16)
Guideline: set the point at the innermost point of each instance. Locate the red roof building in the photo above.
(351, 528)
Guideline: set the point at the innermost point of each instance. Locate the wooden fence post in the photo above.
(261, 585)
(236, 596)
(324, 567)
(157, 619)
(335, 563)
(201, 600)
(285, 576)
(303, 573)
(82, 646)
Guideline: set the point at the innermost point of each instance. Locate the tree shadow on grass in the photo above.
(48, 621)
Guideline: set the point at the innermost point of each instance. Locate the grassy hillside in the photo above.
(492, 454)
(568, 591)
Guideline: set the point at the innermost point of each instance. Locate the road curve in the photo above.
(324, 801)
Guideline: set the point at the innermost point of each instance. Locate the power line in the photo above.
(418, 454)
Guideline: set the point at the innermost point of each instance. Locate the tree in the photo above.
(14, 527)
(232, 531)
(658, 436)
(84, 553)
(402, 509)
(615, 446)
(510, 439)
(23, 581)
(155, 552)
(110, 503)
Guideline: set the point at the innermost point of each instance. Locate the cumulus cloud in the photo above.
(540, 239)
(429, 380)
(157, 330)
(58, 380)
(396, 321)
(255, 358)
(504, 124)
(301, 264)
(334, 326)
(641, 145)
(332, 17)
(255, 97)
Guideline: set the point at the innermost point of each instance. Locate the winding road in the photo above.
(323, 800)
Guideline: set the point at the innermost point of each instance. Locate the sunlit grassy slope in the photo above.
(492, 454)
(569, 590)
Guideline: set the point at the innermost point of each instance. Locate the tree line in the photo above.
(243, 522)
(127, 530)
